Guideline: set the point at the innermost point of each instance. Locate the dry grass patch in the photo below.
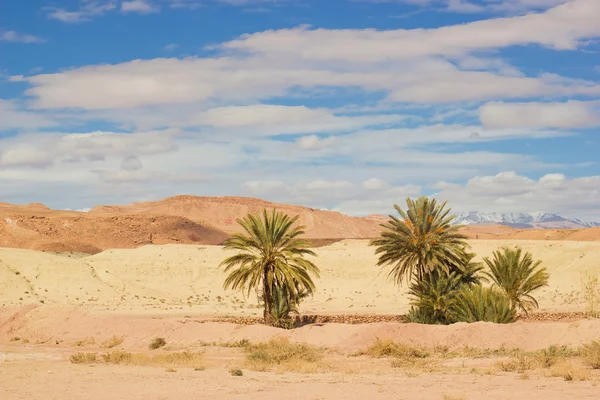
(83, 358)
(113, 342)
(88, 341)
(451, 397)
(591, 354)
(166, 360)
(520, 364)
(389, 348)
(570, 372)
(283, 356)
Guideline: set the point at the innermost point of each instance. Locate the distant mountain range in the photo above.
(522, 220)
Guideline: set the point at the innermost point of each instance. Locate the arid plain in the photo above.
(56, 304)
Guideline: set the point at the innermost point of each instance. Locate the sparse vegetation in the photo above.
(169, 360)
(83, 358)
(389, 348)
(591, 294)
(591, 354)
(283, 355)
(569, 372)
(88, 341)
(113, 342)
(236, 372)
(157, 343)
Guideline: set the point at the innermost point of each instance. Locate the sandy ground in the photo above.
(58, 380)
(187, 280)
(50, 302)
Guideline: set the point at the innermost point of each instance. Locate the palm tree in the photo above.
(420, 241)
(434, 298)
(517, 276)
(271, 256)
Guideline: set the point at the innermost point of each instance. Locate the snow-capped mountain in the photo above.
(522, 220)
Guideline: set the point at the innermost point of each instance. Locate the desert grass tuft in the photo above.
(389, 348)
(113, 342)
(83, 358)
(591, 354)
(157, 343)
(520, 364)
(168, 360)
(283, 356)
(88, 341)
(236, 372)
(569, 372)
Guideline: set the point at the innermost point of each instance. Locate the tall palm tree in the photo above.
(420, 241)
(517, 275)
(271, 255)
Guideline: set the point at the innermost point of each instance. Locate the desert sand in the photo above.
(187, 280)
(74, 297)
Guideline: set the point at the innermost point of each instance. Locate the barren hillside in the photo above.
(203, 220)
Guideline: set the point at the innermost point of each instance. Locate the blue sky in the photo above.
(349, 105)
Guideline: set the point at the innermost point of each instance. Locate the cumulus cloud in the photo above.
(14, 117)
(313, 142)
(568, 115)
(139, 6)
(510, 192)
(273, 63)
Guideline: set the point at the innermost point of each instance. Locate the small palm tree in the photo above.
(434, 298)
(271, 255)
(517, 275)
(422, 240)
(476, 303)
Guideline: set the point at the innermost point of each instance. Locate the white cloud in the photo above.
(375, 184)
(510, 192)
(14, 117)
(139, 6)
(87, 10)
(569, 115)
(313, 142)
(434, 65)
(16, 37)
(131, 163)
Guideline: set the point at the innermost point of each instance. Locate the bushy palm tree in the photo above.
(477, 303)
(434, 298)
(422, 240)
(271, 258)
(517, 276)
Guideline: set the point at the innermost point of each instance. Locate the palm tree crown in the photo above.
(517, 276)
(421, 241)
(271, 255)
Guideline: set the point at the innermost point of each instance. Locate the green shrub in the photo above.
(157, 343)
(483, 304)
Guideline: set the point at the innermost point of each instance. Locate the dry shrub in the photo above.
(591, 354)
(552, 355)
(83, 358)
(157, 343)
(113, 342)
(389, 348)
(119, 357)
(236, 372)
(88, 341)
(451, 397)
(520, 363)
(284, 356)
(569, 372)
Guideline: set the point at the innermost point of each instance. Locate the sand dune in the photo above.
(186, 279)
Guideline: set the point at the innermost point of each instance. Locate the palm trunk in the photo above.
(266, 296)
